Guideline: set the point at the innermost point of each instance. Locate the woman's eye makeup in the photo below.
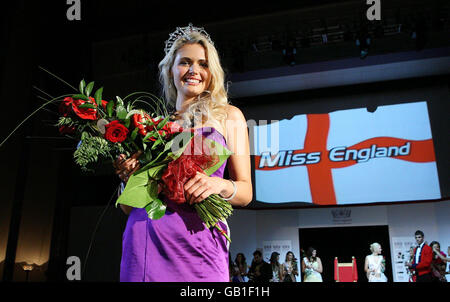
(187, 62)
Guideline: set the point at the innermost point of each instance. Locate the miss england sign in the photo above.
(347, 157)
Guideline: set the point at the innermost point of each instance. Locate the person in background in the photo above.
(438, 265)
(444, 258)
(276, 267)
(423, 255)
(289, 269)
(234, 271)
(241, 264)
(374, 265)
(260, 271)
(312, 266)
(411, 271)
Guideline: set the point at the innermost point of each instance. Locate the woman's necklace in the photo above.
(174, 115)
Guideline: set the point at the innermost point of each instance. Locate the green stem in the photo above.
(203, 212)
(101, 111)
(207, 213)
(57, 78)
(153, 98)
(203, 216)
(42, 91)
(222, 232)
(157, 132)
(135, 145)
(220, 203)
(34, 112)
(138, 100)
(213, 210)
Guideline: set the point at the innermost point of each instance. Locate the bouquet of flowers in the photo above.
(170, 156)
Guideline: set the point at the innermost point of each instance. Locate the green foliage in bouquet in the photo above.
(92, 117)
(105, 129)
(93, 148)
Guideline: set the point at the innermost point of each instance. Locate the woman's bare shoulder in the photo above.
(234, 113)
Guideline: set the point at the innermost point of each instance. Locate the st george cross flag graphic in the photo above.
(347, 157)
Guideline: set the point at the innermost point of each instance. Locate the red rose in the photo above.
(85, 113)
(66, 129)
(65, 107)
(104, 103)
(137, 119)
(145, 124)
(116, 132)
(172, 128)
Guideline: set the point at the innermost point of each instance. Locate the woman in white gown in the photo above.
(374, 265)
(312, 266)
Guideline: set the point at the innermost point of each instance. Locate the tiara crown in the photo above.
(183, 32)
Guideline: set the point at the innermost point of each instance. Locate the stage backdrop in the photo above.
(348, 156)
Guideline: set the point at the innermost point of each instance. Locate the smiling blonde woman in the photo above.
(178, 246)
(374, 265)
(209, 98)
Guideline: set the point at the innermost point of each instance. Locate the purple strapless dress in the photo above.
(177, 247)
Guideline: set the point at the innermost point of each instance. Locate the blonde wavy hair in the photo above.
(210, 104)
(373, 246)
